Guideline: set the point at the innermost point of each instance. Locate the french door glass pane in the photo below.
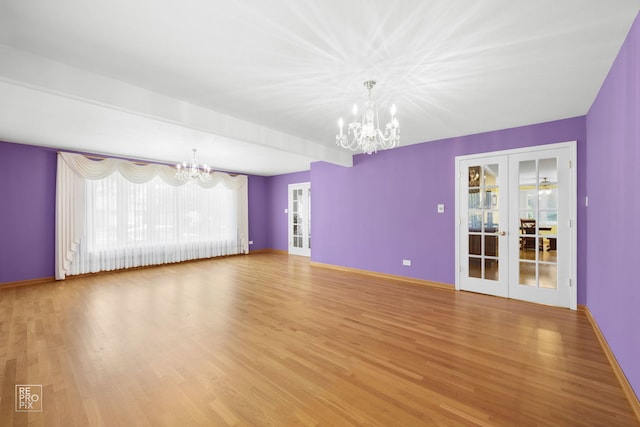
(491, 246)
(475, 221)
(538, 211)
(491, 221)
(491, 269)
(548, 276)
(475, 244)
(475, 267)
(528, 273)
(474, 176)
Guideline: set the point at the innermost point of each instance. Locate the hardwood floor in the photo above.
(270, 340)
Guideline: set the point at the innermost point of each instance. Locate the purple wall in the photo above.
(383, 209)
(258, 209)
(613, 132)
(278, 191)
(27, 212)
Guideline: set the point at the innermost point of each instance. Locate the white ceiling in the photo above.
(257, 86)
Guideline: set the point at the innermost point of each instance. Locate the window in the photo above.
(127, 219)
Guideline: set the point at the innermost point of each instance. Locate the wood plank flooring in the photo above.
(270, 340)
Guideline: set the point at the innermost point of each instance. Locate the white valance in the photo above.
(134, 172)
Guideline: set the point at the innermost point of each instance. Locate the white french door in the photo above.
(300, 219)
(540, 254)
(516, 235)
(485, 223)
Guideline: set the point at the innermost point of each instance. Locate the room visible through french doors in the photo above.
(516, 229)
(300, 219)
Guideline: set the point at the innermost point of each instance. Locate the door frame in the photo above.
(573, 186)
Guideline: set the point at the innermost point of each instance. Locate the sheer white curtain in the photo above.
(113, 214)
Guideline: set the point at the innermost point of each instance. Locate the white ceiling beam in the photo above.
(35, 72)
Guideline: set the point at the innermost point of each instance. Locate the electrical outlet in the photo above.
(251, 242)
(440, 208)
(406, 262)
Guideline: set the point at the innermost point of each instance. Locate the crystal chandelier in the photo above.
(191, 171)
(364, 132)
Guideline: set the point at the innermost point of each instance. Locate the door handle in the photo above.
(503, 233)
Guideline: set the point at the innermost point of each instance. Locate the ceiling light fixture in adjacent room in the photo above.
(191, 170)
(545, 186)
(364, 132)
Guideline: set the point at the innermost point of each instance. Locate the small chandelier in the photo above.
(545, 187)
(192, 171)
(364, 132)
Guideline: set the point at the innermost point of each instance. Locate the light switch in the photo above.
(440, 208)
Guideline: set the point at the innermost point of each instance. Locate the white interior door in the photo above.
(300, 219)
(516, 235)
(540, 248)
(484, 218)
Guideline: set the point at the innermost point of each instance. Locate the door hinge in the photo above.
(570, 164)
(570, 282)
(570, 223)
